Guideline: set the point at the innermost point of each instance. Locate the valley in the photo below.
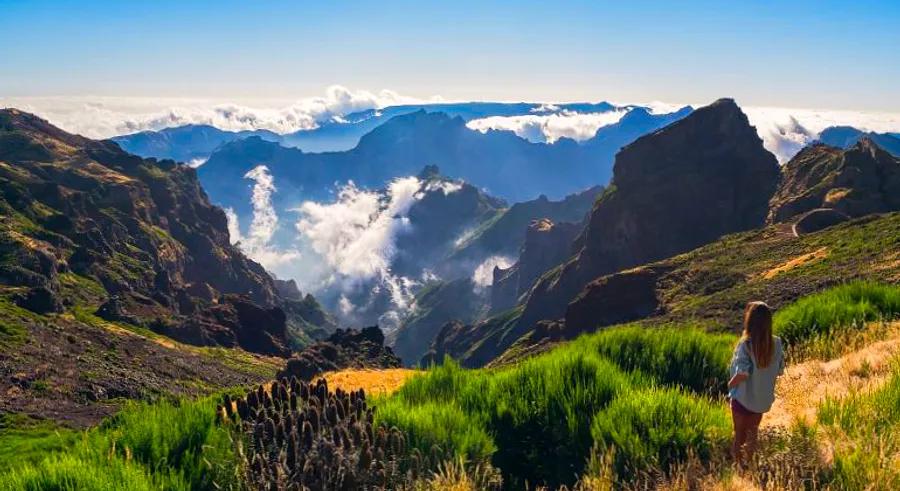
(575, 340)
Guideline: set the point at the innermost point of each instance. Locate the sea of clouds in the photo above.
(105, 117)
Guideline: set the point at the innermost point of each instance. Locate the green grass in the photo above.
(658, 427)
(12, 322)
(823, 318)
(29, 440)
(672, 355)
(146, 446)
(867, 427)
(540, 412)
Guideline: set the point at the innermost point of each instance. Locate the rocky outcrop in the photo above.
(858, 181)
(614, 299)
(506, 235)
(346, 348)
(818, 219)
(546, 245)
(673, 190)
(84, 223)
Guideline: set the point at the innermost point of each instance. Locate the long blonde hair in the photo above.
(758, 329)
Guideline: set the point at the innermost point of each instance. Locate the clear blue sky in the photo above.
(824, 54)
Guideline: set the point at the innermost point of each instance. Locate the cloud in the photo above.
(483, 276)
(257, 243)
(105, 117)
(550, 126)
(785, 131)
(356, 234)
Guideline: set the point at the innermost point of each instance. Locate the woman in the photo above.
(758, 360)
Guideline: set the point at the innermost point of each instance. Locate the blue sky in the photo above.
(830, 55)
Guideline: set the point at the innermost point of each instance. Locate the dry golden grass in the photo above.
(805, 385)
(798, 261)
(384, 381)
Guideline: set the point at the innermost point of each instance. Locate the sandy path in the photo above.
(804, 386)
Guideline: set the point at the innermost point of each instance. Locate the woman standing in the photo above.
(758, 360)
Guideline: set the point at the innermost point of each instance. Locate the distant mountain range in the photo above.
(190, 142)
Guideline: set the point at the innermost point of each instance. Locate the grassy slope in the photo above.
(631, 388)
(77, 368)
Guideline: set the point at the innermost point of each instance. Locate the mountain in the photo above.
(196, 142)
(858, 181)
(505, 233)
(700, 178)
(142, 229)
(635, 123)
(110, 266)
(499, 161)
(189, 143)
(434, 306)
(847, 136)
(546, 245)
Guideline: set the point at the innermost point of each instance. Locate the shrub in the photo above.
(146, 446)
(846, 307)
(673, 355)
(658, 427)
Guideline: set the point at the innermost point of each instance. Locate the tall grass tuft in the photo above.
(540, 412)
(658, 428)
(866, 426)
(828, 314)
(146, 446)
(674, 355)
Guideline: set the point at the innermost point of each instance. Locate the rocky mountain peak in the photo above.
(860, 180)
(675, 189)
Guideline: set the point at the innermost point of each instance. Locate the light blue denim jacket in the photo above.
(757, 393)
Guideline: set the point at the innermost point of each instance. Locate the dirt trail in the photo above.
(804, 386)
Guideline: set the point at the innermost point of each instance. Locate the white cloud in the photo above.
(355, 234)
(484, 274)
(785, 131)
(197, 162)
(104, 117)
(257, 243)
(550, 126)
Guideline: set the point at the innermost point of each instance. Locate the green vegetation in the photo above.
(158, 446)
(824, 319)
(541, 413)
(673, 355)
(28, 440)
(658, 427)
(867, 428)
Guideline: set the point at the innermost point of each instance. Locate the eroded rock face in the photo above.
(614, 299)
(673, 190)
(546, 245)
(858, 181)
(346, 348)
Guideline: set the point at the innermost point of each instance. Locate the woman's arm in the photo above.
(737, 379)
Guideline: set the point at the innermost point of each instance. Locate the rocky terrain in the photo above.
(858, 181)
(106, 257)
(346, 348)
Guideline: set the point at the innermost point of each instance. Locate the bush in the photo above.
(146, 446)
(658, 427)
(841, 308)
(673, 355)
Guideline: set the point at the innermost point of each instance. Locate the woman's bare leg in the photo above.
(740, 436)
